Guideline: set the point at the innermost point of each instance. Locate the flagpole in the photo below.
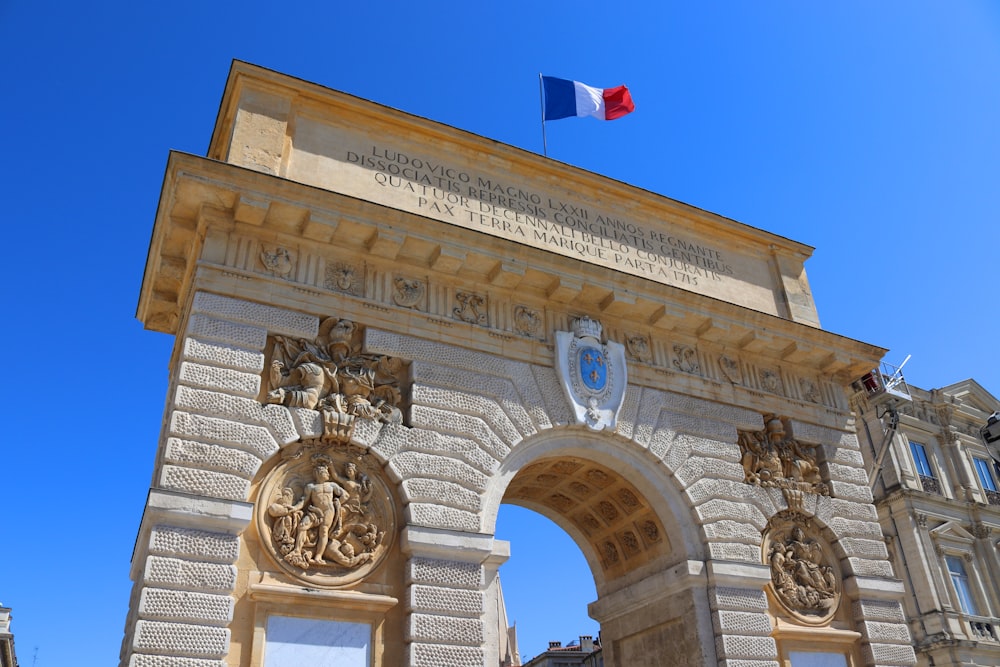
(541, 99)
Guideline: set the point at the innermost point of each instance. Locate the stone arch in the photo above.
(631, 470)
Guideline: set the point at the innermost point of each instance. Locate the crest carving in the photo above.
(343, 277)
(804, 576)
(277, 260)
(527, 321)
(408, 292)
(332, 375)
(593, 374)
(325, 516)
(771, 458)
(471, 308)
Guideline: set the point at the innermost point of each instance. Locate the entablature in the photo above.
(219, 226)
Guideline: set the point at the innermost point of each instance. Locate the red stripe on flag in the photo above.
(617, 102)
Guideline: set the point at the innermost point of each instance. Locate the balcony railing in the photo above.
(983, 630)
(992, 497)
(930, 484)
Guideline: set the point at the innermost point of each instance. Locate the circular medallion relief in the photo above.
(805, 578)
(325, 517)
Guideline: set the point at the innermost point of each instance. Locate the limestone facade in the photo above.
(939, 508)
(368, 310)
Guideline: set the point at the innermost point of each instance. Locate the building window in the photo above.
(987, 471)
(924, 471)
(960, 580)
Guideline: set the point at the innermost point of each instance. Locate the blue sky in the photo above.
(865, 129)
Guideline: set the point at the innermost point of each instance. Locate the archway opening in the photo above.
(547, 582)
(577, 528)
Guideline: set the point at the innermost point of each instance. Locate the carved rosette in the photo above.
(805, 577)
(332, 376)
(325, 516)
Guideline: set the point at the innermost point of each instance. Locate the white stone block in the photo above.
(226, 380)
(439, 516)
(444, 629)
(191, 575)
(231, 333)
(744, 623)
(441, 492)
(445, 573)
(445, 421)
(442, 655)
(452, 601)
(276, 320)
(222, 354)
(409, 465)
(737, 599)
(204, 482)
(254, 439)
(213, 457)
(185, 606)
(740, 646)
(180, 639)
(196, 544)
(480, 407)
(145, 660)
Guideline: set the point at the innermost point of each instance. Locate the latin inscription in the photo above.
(568, 228)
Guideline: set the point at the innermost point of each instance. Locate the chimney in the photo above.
(553, 645)
(586, 643)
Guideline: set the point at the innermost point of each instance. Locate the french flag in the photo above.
(564, 99)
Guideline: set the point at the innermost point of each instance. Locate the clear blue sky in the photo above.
(866, 129)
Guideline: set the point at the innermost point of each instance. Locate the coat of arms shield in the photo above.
(592, 373)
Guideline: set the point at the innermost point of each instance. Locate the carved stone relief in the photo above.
(471, 308)
(804, 576)
(810, 390)
(344, 277)
(277, 260)
(687, 359)
(770, 381)
(527, 321)
(638, 348)
(731, 369)
(325, 515)
(772, 458)
(408, 292)
(332, 375)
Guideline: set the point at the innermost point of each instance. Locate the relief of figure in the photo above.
(801, 578)
(321, 510)
(337, 524)
(771, 458)
(331, 375)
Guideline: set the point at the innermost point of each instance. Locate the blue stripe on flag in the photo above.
(560, 98)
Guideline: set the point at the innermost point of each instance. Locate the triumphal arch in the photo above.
(386, 327)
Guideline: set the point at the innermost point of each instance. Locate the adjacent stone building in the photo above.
(935, 479)
(386, 327)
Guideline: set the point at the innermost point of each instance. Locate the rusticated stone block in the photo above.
(238, 335)
(273, 319)
(204, 482)
(225, 380)
(408, 465)
(180, 573)
(442, 492)
(888, 611)
(254, 439)
(739, 599)
(450, 600)
(445, 629)
(447, 573)
(200, 544)
(438, 655)
(185, 606)
(222, 354)
(439, 516)
(180, 639)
